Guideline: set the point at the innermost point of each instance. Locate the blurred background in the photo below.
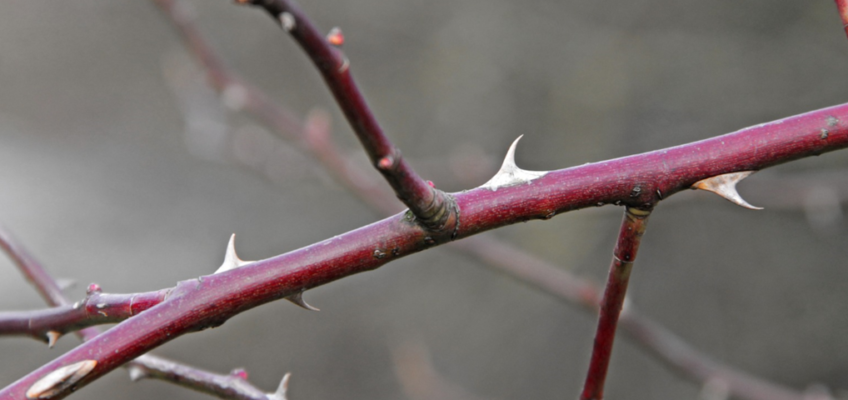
(119, 166)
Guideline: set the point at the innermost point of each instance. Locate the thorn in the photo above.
(510, 174)
(136, 373)
(297, 299)
(280, 394)
(231, 260)
(60, 379)
(288, 21)
(52, 337)
(335, 37)
(725, 186)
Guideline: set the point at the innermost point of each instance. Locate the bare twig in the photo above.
(232, 386)
(432, 208)
(629, 237)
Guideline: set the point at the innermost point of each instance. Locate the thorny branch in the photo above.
(233, 386)
(211, 300)
(314, 138)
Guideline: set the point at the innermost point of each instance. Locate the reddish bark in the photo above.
(636, 181)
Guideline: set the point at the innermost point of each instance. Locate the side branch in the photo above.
(433, 208)
(629, 237)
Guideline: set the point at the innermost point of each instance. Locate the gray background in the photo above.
(104, 180)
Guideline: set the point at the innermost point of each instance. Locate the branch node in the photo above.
(725, 186)
(60, 379)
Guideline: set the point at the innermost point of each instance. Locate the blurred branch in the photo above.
(842, 6)
(233, 386)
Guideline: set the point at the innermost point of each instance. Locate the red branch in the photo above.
(96, 309)
(433, 208)
(632, 228)
(233, 386)
(637, 181)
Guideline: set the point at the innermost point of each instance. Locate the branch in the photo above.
(636, 181)
(629, 237)
(432, 208)
(95, 309)
(233, 386)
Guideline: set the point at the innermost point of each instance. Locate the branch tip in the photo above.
(725, 186)
(231, 259)
(297, 299)
(510, 174)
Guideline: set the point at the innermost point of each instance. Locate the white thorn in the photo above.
(510, 174)
(298, 300)
(60, 379)
(280, 394)
(288, 21)
(52, 337)
(231, 260)
(136, 373)
(725, 186)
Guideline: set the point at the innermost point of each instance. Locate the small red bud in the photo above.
(239, 373)
(93, 288)
(335, 37)
(432, 185)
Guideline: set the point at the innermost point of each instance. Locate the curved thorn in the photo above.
(280, 394)
(510, 174)
(298, 300)
(725, 186)
(52, 337)
(231, 259)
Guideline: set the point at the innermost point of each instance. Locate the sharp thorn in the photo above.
(231, 259)
(298, 300)
(52, 338)
(510, 174)
(725, 186)
(136, 373)
(280, 394)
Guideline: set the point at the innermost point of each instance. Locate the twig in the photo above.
(432, 208)
(96, 308)
(232, 386)
(629, 237)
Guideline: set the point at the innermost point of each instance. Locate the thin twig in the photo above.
(433, 208)
(629, 237)
(232, 386)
